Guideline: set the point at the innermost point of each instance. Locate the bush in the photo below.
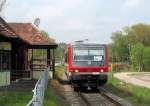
(120, 66)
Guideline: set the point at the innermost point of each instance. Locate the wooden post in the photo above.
(32, 65)
(53, 63)
(48, 57)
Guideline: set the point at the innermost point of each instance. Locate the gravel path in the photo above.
(135, 78)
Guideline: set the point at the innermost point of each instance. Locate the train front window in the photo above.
(86, 56)
(80, 52)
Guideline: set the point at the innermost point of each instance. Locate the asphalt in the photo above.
(135, 78)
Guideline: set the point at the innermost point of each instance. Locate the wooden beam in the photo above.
(32, 64)
(48, 57)
(53, 63)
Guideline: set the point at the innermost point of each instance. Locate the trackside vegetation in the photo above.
(60, 71)
(50, 98)
(136, 95)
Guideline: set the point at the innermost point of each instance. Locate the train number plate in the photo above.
(95, 73)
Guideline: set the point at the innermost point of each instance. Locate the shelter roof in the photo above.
(30, 34)
(5, 30)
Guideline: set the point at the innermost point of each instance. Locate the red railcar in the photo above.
(87, 64)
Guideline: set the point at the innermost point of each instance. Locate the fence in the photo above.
(39, 90)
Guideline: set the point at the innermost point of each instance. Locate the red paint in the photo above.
(72, 68)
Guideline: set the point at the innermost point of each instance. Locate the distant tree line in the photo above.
(131, 45)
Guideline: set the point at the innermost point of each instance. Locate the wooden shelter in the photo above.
(23, 39)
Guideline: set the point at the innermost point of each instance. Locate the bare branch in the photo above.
(2, 4)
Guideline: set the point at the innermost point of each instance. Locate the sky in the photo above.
(72, 20)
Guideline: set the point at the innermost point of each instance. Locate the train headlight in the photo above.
(76, 71)
(69, 73)
(101, 70)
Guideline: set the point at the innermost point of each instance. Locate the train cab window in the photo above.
(88, 54)
(98, 55)
(85, 55)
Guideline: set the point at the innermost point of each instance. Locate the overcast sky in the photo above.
(71, 20)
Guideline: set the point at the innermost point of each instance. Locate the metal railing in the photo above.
(39, 90)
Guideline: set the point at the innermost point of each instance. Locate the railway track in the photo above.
(74, 99)
(96, 99)
(100, 97)
(115, 99)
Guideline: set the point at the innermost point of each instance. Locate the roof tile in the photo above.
(30, 34)
(5, 30)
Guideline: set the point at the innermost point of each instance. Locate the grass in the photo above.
(53, 98)
(15, 98)
(138, 96)
(50, 98)
(21, 98)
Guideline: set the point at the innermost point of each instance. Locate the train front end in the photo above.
(87, 65)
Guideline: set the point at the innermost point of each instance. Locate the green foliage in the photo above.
(139, 33)
(120, 47)
(131, 45)
(5, 46)
(60, 71)
(60, 51)
(50, 98)
(140, 57)
(146, 57)
(45, 34)
(39, 53)
(137, 55)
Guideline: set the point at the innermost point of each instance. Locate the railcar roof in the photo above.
(88, 44)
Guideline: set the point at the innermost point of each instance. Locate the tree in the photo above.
(139, 33)
(111, 52)
(120, 46)
(146, 57)
(137, 56)
(60, 51)
(44, 33)
(132, 44)
(2, 4)
(41, 53)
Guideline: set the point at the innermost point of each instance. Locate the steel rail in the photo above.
(86, 101)
(115, 99)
